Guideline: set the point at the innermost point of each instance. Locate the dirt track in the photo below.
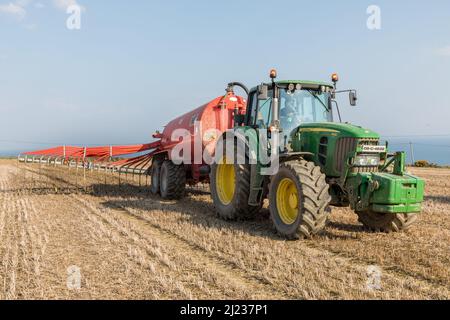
(130, 245)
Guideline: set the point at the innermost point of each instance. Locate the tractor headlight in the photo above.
(364, 160)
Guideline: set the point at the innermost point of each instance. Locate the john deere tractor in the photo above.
(322, 163)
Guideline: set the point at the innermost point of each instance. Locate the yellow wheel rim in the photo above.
(287, 201)
(225, 181)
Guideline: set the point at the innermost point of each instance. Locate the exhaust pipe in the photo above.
(275, 102)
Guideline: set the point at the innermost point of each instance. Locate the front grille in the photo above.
(346, 145)
(363, 169)
(369, 142)
(323, 151)
(343, 147)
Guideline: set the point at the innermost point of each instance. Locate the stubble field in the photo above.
(127, 244)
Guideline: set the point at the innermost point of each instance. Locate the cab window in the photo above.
(253, 98)
(264, 114)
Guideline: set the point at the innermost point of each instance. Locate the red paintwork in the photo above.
(216, 114)
(214, 118)
(94, 152)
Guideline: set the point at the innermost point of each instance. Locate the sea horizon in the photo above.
(433, 150)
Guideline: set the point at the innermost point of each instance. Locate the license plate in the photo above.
(377, 149)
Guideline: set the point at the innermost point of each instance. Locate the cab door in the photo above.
(260, 114)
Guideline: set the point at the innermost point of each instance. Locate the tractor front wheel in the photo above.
(172, 183)
(299, 200)
(386, 222)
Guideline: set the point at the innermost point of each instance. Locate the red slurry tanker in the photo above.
(205, 123)
(203, 126)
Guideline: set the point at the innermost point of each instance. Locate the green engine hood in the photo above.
(330, 143)
(338, 129)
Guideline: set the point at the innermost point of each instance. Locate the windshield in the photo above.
(303, 106)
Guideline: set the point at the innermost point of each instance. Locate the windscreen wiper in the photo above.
(317, 98)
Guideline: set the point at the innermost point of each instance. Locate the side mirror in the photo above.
(353, 98)
(263, 92)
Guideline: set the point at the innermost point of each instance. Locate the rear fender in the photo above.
(247, 137)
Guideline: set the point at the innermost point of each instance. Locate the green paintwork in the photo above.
(306, 82)
(343, 129)
(249, 136)
(302, 82)
(399, 163)
(395, 189)
(381, 192)
(386, 192)
(308, 136)
(399, 208)
(378, 191)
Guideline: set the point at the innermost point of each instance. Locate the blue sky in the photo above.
(134, 65)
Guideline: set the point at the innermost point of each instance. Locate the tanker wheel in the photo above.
(172, 180)
(386, 222)
(230, 190)
(155, 173)
(299, 200)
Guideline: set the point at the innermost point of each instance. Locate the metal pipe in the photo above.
(276, 116)
(275, 105)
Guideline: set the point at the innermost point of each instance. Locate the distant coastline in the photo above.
(435, 150)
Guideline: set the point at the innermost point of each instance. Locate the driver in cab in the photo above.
(289, 116)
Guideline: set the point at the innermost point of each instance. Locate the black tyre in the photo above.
(172, 180)
(230, 190)
(299, 200)
(155, 172)
(386, 222)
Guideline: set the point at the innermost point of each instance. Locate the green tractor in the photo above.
(321, 164)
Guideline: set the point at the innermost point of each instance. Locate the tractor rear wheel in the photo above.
(155, 172)
(230, 189)
(299, 200)
(386, 222)
(172, 180)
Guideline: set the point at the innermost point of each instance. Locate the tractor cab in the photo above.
(299, 102)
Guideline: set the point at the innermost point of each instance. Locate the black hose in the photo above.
(238, 84)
